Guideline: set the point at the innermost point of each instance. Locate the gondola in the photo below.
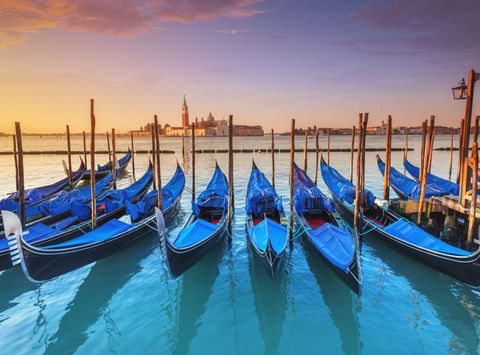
(75, 219)
(103, 170)
(406, 188)
(450, 187)
(37, 195)
(133, 221)
(383, 223)
(322, 225)
(205, 227)
(59, 204)
(266, 235)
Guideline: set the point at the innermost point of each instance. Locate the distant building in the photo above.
(185, 123)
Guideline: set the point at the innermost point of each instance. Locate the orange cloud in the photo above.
(115, 17)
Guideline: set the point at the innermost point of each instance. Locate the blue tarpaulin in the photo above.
(408, 187)
(342, 188)
(307, 196)
(261, 196)
(215, 195)
(413, 234)
(440, 183)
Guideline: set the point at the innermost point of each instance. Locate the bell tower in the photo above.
(185, 122)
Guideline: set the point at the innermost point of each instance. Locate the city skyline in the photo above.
(262, 61)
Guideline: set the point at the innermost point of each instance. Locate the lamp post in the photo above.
(465, 91)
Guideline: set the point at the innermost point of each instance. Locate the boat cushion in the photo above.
(277, 234)
(334, 243)
(65, 223)
(194, 233)
(105, 232)
(413, 234)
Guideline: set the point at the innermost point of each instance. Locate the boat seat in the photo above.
(195, 232)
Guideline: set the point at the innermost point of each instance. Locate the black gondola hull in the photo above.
(465, 269)
(180, 260)
(48, 264)
(6, 259)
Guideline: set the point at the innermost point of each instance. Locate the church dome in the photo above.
(210, 118)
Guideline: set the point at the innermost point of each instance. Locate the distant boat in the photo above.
(446, 185)
(318, 218)
(103, 170)
(205, 227)
(266, 235)
(409, 189)
(386, 225)
(52, 260)
(37, 195)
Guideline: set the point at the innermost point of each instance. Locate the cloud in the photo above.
(232, 31)
(115, 17)
(421, 25)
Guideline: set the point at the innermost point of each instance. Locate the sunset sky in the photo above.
(265, 62)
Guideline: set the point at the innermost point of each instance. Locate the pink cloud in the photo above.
(115, 17)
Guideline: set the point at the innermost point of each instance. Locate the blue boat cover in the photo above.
(122, 161)
(109, 230)
(39, 193)
(35, 233)
(60, 203)
(334, 243)
(413, 234)
(408, 187)
(443, 184)
(307, 196)
(215, 195)
(261, 196)
(195, 232)
(64, 200)
(268, 229)
(170, 192)
(342, 188)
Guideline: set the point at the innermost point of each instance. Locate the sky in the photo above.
(265, 62)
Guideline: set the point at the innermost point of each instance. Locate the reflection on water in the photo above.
(227, 303)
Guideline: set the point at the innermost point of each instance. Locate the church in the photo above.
(209, 127)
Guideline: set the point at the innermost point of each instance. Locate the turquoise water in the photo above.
(227, 304)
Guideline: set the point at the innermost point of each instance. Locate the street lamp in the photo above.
(460, 91)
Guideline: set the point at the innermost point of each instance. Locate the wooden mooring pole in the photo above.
(84, 148)
(114, 160)
(231, 196)
(388, 161)
(305, 152)
(473, 203)
(133, 156)
(451, 154)
(69, 156)
(157, 163)
(475, 131)
(108, 149)
(358, 182)
(273, 158)
(328, 147)
(352, 149)
(460, 143)
(154, 159)
(193, 161)
(21, 174)
(430, 153)
(423, 181)
(405, 154)
(422, 150)
(15, 159)
(92, 164)
(364, 144)
(292, 159)
(317, 155)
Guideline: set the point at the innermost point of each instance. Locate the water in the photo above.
(227, 303)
